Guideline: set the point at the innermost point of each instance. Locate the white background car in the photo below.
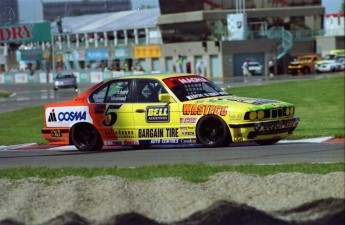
(255, 68)
(336, 64)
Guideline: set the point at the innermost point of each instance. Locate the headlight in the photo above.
(252, 115)
(261, 115)
(292, 110)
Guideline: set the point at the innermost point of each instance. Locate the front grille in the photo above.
(273, 113)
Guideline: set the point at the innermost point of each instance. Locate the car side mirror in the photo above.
(165, 97)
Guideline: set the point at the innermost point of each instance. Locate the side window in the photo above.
(112, 92)
(118, 92)
(99, 95)
(148, 90)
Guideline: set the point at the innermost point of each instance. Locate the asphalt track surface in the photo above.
(312, 151)
(249, 153)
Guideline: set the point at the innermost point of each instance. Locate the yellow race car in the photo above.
(165, 109)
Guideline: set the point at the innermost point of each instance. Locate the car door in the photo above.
(114, 112)
(155, 122)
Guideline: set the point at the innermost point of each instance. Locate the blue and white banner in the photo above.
(96, 54)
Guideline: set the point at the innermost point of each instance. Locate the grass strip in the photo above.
(4, 94)
(189, 172)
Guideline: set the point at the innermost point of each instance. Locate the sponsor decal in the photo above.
(213, 94)
(188, 133)
(165, 141)
(192, 80)
(67, 116)
(157, 133)
(169, 141)
(130, 142)
(55, 133)
(52, 139)
(188, 141)
(157, 114)
(188, 120)
(188, 128)
(175, 81)
(109, 133)
(115, 142)
(124, 133)
(204, 109)
(236, 116)
(110, 115)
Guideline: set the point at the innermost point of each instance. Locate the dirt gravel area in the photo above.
(165, 200)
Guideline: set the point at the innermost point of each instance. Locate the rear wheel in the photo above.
(85, 137)
(212, 131)
(268, 142)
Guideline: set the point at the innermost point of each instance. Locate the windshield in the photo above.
(193, 87)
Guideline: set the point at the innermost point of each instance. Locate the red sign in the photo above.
(15, 33)
(25, 32)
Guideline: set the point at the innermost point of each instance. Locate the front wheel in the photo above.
(85, 137)
(212, 131)
(268, 142)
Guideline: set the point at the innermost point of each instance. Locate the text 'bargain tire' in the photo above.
(85, 137)
(212, 131)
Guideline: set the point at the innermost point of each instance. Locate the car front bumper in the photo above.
(263, 129)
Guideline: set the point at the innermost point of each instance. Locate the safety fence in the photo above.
(82, 76)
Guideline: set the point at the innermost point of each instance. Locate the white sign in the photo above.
(67, 116)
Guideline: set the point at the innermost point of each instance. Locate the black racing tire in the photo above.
(268, 141)
(212, 131)
(85, 137)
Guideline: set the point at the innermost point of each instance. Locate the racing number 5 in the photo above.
(110, 117)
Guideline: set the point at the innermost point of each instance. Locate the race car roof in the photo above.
(124, 20)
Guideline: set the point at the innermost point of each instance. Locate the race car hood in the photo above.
(244, 103)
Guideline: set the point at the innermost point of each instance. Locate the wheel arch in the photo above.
(81, 124)
(210, 117)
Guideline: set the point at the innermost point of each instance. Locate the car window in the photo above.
(117, 91)
(148, 90)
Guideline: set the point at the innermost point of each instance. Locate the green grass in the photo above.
(22, 126)
(319, 104)
(4, 94)
(188, 172)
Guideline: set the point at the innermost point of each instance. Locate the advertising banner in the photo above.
(122, 53)
(96, 54)
(96, 77)
(84, 77)
(29, 55)
(152, 51)
(21, 78)
(25, 32)
(6, 78)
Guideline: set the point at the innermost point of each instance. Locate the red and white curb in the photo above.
(35, 146)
